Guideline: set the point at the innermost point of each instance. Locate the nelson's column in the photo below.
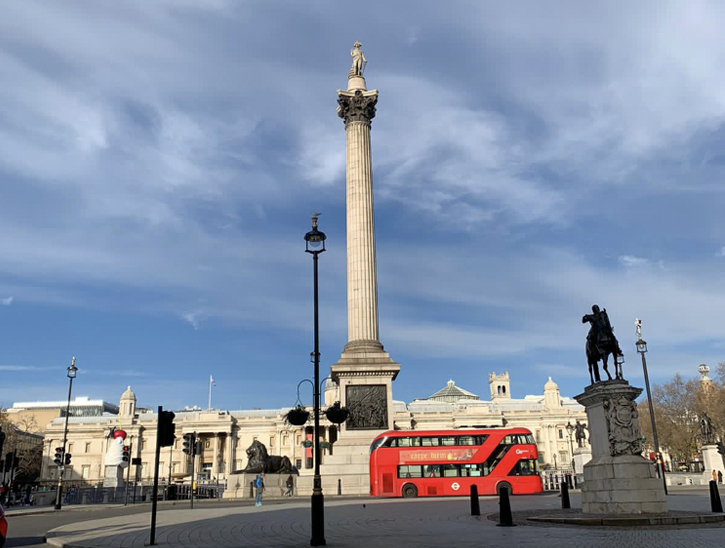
(365, 372)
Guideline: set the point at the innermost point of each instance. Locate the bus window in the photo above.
(449, 440)
(524, 468)
(412, 471)
(508, 440)
(450, 470)
(432, 471)
(404, 442)
(466, 440)
(377, 443)
(471, 470)
(429, 442)
(530, 438)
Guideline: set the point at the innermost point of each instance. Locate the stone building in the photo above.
(225, 435)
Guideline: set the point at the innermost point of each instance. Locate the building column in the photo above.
(215, 461)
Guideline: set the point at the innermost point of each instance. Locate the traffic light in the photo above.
(67, 458)
(189, 440)
(720, 448)
(58, 460)
(198, 449)
(126, 454)
(166, 429)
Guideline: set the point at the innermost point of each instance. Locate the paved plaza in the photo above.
(382, 523)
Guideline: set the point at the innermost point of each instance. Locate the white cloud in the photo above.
(7, 301)
(193, 318)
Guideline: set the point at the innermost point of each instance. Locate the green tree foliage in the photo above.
(678, 406)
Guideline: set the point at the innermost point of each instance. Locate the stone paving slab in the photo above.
(378, 523)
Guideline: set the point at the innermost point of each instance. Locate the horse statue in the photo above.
(261, 461)
(601, 342)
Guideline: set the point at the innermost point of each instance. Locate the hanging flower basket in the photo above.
(325, 444)
(307, 443)
(337, 414)
(297, 416)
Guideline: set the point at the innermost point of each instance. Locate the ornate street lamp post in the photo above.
(72, 370)
(642, 349)
(315, 244)
(570, 431)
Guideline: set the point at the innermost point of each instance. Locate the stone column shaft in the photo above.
(362, 289)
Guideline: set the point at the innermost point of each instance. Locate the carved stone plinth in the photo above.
(617, 480)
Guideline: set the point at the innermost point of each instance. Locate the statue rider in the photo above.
(600, 333)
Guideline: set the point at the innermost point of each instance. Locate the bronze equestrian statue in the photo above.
(601, 342)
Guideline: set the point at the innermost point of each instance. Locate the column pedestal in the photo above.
(617, 480)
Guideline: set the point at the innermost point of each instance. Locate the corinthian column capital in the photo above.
(357, 105)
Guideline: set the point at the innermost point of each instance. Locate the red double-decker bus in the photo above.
(417, 463)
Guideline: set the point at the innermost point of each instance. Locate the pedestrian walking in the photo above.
(290, 486)
(259, 484)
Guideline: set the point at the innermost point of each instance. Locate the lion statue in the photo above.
(261, 461)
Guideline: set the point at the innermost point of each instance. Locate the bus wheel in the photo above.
(504, 485)
(410, 491)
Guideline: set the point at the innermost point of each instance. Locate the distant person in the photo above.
(259, 484)
(290, 486)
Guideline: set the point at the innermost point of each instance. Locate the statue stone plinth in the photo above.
(617, 480)
(712, 461)
(113, 476)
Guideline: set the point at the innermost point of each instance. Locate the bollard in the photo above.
(565, 495)
(339, 486)
(475, 504)
(505, 519)
(715, 502)
(251, 489)
(575, 486)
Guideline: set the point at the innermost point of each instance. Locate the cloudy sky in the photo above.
(159, 162)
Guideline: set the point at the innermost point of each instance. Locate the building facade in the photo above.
(225, 435)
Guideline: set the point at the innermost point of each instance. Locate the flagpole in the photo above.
(209, 392)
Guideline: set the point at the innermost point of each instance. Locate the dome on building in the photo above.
(551, 385)
(452, 393)
(128, 395)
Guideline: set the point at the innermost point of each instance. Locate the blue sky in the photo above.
(159, 162)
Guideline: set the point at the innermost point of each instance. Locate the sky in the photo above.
(159, 163)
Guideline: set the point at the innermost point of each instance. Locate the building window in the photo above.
(239, 465)
(207, 444)
(538, 435)
(86, 472)
(70, 448)
(88, 447)
(52, 471)
(561, 434)
(285, 439)
(298, 463)
(271, 441)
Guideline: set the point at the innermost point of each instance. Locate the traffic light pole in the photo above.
(61, 468)
(128, 471)
(154, 494)
(193, 458)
